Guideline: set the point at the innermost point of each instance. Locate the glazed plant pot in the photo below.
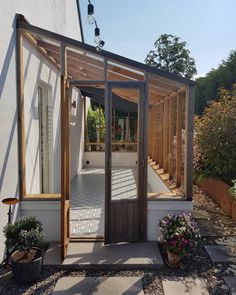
(26, 272)
(173, 259)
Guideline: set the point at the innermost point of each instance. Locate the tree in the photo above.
(207, 88)
(171, 55)
(215, 138)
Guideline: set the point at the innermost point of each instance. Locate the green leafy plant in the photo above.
(178, 233)
(232, 190)
(215, 138)
(24, 234)
(94, 118)
(171, 55)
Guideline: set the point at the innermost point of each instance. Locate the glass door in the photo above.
(125, 162)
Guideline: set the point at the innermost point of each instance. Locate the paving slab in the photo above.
(229, 244)
(182, 286)
(200, 214)
(120, 256)
(208, 229)
(231, 283)
(218, 254)
(99, 286)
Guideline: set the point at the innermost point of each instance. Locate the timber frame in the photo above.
(167, 110)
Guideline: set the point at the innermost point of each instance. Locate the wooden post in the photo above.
(108, 155)
(165, 136)
(161, 134)
(64, 157)
(171, 136)
(151, 132)
(179, 140)
(21, 123)
(154, 134)
(85, 124)
(189, 126)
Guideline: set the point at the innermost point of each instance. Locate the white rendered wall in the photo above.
(156, 184)
(97, 159)
(77, 133)
(158, 209)
(49, 213)
(38, 71)
(59, 16)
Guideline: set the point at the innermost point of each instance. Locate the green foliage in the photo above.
(171, 55)
(232, 190)
(24, 234)
(93, 124)
(215, 138)
(207, 88)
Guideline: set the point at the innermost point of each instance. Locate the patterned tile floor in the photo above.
(88, 198)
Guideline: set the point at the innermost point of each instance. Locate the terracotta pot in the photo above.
(173, 259)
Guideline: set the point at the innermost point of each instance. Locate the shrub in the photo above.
(179, 233)
(24, 234)
(215, 138)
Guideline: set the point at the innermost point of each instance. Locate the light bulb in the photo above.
(101, 43)
(97, 39)
(97, 35)
(91, 19)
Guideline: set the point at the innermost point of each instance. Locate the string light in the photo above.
(91, 20)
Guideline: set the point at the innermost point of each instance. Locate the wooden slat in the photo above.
(161, 135)
(124, 215)
(21, 124)
(179, 139)
(165, 136)
(33, 42)
(189, 125)
(171, 136)
(54, 51)
(42, 196)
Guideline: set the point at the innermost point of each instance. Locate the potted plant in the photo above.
(23, 238)
(178, 234)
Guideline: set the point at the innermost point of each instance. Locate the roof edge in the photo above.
(22, 23)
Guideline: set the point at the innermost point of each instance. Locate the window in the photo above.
(124, 129)
(45, 139)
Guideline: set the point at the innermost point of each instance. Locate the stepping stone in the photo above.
(183, 286)
(217, 254)
(207, 229)
(200, 214)
(231, 283)
(229, 244)
(97, 255)
(99, 286)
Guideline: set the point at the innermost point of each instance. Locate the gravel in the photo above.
(198, 264)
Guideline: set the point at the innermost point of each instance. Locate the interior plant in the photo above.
(24, 238)
(179, 234)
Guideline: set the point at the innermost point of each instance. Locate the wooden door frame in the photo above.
(142, 151)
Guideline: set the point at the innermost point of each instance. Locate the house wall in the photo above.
(38, 71)
(156, 184)
(56, 15)
(77, 133)
(97, 159)
(158, 209)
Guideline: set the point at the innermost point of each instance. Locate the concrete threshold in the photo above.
(96, 255)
